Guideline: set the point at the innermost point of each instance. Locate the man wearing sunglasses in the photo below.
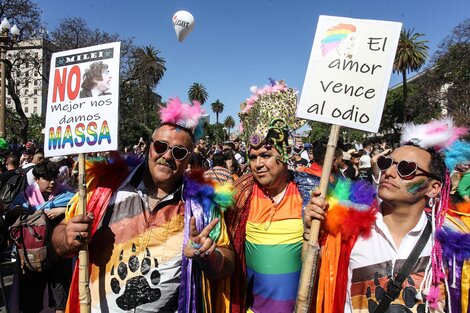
(410, 181)
(149, 242)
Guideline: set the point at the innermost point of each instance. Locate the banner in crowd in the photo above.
(83, 101)
(349, 72)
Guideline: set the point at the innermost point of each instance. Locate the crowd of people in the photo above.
(179, 225)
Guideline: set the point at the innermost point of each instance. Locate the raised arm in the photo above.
(216, 262)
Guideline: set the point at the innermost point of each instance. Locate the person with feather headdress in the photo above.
(266, 226)
(362, 258)
(155, 246)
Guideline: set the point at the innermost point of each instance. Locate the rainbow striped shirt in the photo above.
(273, 250)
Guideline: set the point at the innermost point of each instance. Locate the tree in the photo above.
(74, 33)
(213, 132)
(229, 122)
(198, 92)
(424, 108)
(217, 108)
(36, 127)
(450, 73)
(148, 69)
(411, 55)
(26, 15)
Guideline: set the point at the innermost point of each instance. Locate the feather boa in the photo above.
(101, 173)
(181, 114)
(456, 255)
(205, 202)
(454, 244)
(352, 213)
(439, 134)
(457, 153)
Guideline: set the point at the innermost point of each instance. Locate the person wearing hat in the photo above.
(347, 168)
(154, 246)
(266, 226)
(408, 252)
(365, 168)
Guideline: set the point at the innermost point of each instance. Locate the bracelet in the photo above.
(305, 238)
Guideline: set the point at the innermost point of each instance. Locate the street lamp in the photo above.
(7, 38)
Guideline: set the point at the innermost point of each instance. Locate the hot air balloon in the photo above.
(183, 23)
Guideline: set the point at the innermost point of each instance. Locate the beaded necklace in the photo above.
(274, 205)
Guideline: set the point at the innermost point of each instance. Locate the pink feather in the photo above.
(181, 114)
(433, 296)
(439, 134)
(172, 112)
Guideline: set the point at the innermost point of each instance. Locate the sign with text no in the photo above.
(349, 71)
(82, 102)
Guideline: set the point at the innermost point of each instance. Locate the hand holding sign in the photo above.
(183, 23)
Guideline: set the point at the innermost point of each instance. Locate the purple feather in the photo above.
(363, 192)
(454, 244)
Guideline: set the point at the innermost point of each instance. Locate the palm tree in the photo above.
(217, 107)
(411, 55)
(229, 122)
(149, 67)
(198, 92)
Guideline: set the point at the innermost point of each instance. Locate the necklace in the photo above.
(274, 205)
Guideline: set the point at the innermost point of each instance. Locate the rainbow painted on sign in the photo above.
(334, 36)
(90, 134)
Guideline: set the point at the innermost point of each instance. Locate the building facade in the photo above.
(31, 63)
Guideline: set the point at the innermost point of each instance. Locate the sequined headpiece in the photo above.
(268, 116)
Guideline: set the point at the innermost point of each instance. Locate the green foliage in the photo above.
(217, 108)
(412, 52)
(198, 92)
(214, 133)
(36, 127)
(147, 67)
(138, 114)
(451, 69)
(318, 131)
(229, 122)
(411, 55)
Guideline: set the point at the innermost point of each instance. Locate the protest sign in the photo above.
(349, 71)
(82, 103)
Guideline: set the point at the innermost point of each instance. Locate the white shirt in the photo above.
(375, 259)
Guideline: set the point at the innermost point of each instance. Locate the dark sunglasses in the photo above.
(406, 169)
(178, 153)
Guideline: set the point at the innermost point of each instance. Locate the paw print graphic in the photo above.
(408, 294)
(138, 289)
(379, 294)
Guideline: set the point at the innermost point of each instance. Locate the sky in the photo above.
(237, 44)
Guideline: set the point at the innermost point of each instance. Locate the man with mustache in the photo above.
(147, 246)
(369, 274)
(266, 226)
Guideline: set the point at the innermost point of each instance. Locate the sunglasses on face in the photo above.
(178, 153)
(406, 169)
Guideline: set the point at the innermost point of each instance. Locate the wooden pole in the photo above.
(310, 259)
(83, 275)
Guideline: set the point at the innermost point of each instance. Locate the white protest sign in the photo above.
(82, 103)
(349, 72)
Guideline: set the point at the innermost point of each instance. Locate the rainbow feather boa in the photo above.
(352, 213)
(205, 201)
